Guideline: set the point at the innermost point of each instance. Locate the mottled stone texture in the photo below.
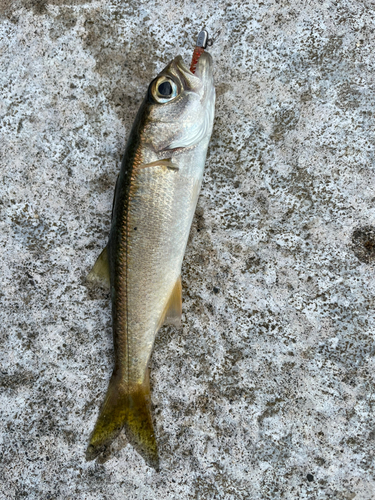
(267, 391)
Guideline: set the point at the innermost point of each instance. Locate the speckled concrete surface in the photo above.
(267, 391)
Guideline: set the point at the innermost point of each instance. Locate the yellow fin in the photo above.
(128, 407)
(173, 311)
(139, 428)
(99, 274)
(166, 163)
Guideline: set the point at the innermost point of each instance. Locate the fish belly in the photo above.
(160, 211)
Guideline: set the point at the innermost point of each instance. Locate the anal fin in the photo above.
(173, 310)
(99, 274)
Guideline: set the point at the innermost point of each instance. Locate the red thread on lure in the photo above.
(198, 51)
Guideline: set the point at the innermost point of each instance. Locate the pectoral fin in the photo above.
(173, 310)
(99, 274)
(166, 163)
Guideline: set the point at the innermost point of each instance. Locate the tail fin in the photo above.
(129, 408)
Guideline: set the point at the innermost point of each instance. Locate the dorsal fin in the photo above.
(99, 274)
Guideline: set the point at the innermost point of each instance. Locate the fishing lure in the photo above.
(202, 42)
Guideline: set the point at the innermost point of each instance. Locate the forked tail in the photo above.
(129, 408)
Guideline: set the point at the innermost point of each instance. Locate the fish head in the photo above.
(180, 106)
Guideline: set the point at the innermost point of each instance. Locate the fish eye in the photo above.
(164, 90)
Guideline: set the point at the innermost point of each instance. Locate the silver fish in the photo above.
(154, 203)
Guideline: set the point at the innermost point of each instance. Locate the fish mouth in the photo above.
(204, 67)
(201, 81)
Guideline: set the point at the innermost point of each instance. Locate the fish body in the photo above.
(154, 203)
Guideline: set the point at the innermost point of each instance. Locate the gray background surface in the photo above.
(267, 391)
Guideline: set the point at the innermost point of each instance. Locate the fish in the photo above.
(154, 203)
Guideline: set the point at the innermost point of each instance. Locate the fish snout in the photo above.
(204, 69)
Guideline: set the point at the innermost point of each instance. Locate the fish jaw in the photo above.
(200, 131)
